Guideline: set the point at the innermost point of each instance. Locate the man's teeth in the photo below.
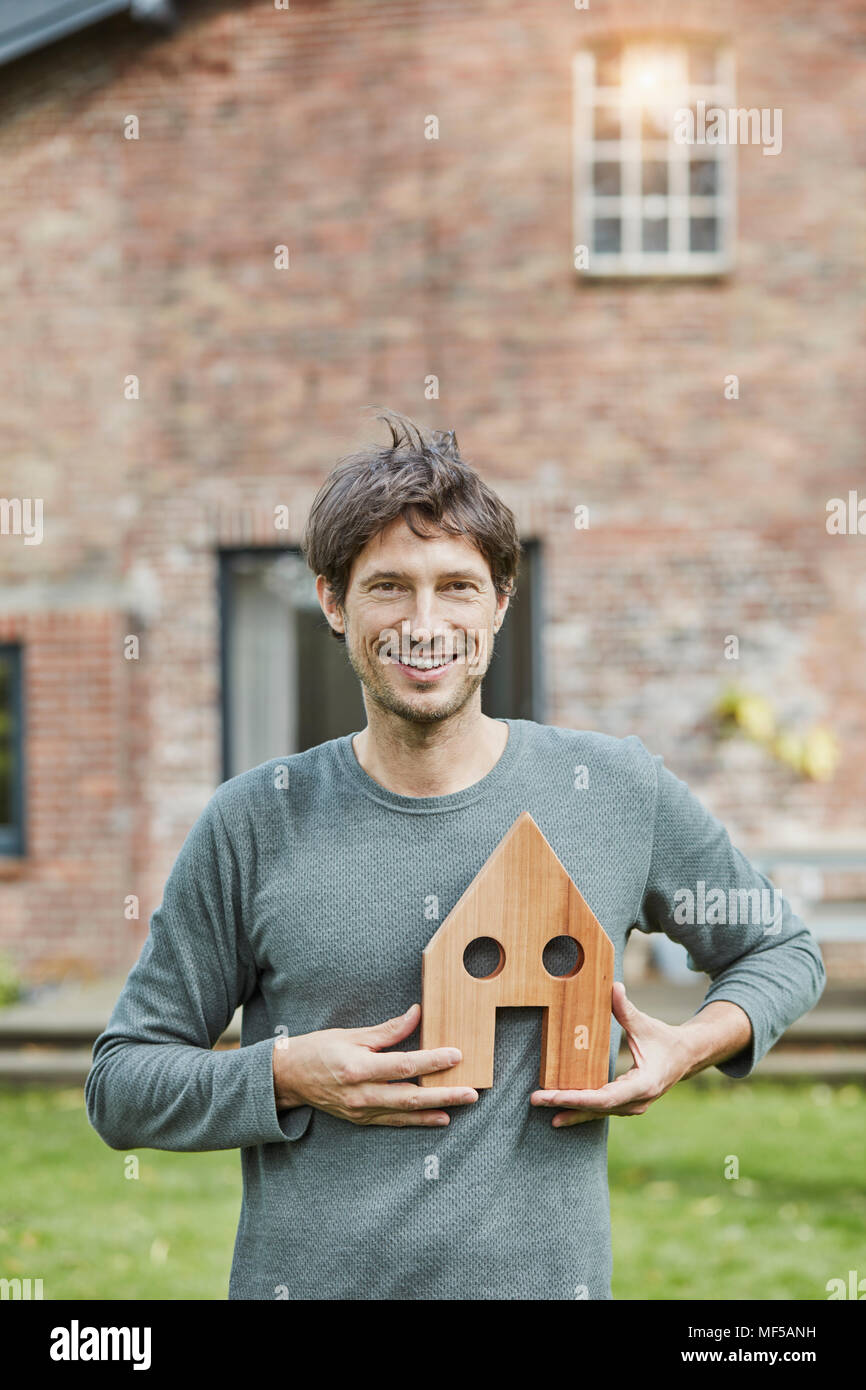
(424, 663)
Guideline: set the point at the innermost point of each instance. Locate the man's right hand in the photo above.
(344, 1072)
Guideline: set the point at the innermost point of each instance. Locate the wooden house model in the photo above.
(522, 898)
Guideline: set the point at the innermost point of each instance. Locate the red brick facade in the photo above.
(410, 258)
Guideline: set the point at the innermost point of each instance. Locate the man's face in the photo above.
(419, 619)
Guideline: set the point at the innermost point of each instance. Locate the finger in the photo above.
(400, 1119)
(409, 1097)
(631, 1086)
(565, 1118)
(624, 1011)
(391, 1031)
(631, 1019)
(399, 1066)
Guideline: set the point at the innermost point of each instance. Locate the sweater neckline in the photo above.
(425, 805)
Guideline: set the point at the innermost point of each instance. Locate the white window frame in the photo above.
(668, 63)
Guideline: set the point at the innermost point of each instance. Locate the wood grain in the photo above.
(522, 897)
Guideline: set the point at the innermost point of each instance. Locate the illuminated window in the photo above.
(652, 196)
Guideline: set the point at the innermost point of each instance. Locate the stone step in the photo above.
(828, 1022)
(30, 1025)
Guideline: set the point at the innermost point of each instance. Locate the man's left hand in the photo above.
(661, 1058)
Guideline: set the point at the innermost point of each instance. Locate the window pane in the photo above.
(11, 818)
(702, 233)
(606, 123)
(6, 741)
(703, 177)
(702, 66)
(329, 693)
(608, 67)
(654, 178)
(656, 123)
(654, 234)
(510, 687)
(606, 234)
(606, 179)
(662, 86)
(288, 682)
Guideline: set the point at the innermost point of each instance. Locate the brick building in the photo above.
(477, 199)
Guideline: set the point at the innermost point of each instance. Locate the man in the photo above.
(309, 886)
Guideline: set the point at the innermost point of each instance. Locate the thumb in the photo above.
(391, 1031)
(624, 1011)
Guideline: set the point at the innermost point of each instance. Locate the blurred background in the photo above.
(230, 229)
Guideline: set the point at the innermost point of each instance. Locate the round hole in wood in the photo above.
(562, 957)
(483, 958)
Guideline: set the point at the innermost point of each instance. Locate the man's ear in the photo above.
(502, 602)
(332, 611)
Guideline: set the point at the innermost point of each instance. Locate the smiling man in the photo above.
(309, 887)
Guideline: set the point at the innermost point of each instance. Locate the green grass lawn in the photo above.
(794, 1218)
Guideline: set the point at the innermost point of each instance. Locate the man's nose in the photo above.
(423, 619)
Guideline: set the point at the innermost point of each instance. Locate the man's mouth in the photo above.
(426, 668)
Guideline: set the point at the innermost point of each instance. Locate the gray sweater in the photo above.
(306, 892)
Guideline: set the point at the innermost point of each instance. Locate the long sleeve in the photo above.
(737, 928)
(155, 1081)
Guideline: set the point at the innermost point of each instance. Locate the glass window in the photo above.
(607, 124)
(702, 234)
(11, 753)
(655, 234)
(606, 234)
(651, 197)
(606, 178)
(512, 686)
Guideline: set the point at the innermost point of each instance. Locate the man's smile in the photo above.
(425, 668)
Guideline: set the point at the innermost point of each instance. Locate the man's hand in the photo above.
(662, 1056)
(344, 1072)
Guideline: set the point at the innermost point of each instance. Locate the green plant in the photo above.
(11, 983)
(814, 754)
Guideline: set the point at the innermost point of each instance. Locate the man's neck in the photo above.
(414, 759)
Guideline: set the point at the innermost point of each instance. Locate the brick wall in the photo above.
(410, 257)
(61, 905)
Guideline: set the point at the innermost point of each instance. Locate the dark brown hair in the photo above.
(420, 477)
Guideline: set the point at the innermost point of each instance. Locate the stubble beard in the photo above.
(369, 673)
